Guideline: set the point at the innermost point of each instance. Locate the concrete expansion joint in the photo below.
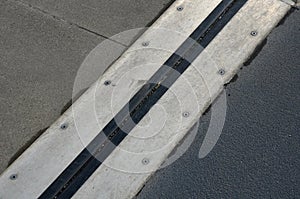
(59, 18)
(74, 160)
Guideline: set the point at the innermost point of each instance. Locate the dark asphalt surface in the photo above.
(258, 153)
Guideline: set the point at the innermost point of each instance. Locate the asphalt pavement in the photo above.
(258, 153)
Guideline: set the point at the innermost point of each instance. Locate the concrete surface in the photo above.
(258, 154)
(107, 18)
(39, 60)
(40, 54)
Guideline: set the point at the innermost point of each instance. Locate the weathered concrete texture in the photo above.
(107, 18)
(42, 45)
(39, 60)
(257, 155)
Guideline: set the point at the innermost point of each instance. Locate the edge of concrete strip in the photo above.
(125, 170)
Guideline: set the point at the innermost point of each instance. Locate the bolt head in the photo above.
(179, 8)
(64, 126)
(13, 176)
(185, 114)
(145, 43)
(145, 161)
(221, 71)
(107, 82)
(253, 33)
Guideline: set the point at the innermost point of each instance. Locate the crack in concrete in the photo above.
(59, 18)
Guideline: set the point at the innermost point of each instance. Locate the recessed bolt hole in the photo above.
(253, 33)
(107, 82)
(179, 8)
(145, 161)
(145, 43)
(221, 71)
(13, 177)
(185, 114)
(64, 126)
